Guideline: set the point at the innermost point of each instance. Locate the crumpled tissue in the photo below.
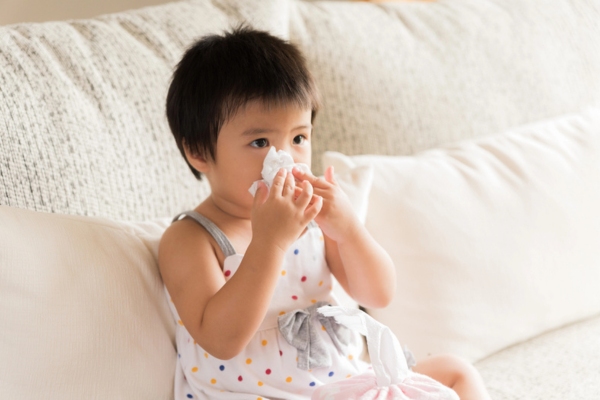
(274, 161)
(392, 377)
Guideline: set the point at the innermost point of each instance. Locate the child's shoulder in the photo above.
(185, 238)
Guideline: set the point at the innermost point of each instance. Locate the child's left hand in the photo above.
(337, 218)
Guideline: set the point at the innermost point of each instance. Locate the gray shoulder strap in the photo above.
(211, 228)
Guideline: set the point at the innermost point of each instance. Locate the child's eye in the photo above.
(260, 143)
(299, 139)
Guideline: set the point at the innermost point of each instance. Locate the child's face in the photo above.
(243, 144)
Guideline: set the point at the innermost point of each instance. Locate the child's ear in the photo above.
(196, 160)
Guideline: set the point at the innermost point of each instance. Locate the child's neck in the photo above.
(236, 226)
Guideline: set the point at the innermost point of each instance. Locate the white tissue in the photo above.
(387, 357)
(274, 161)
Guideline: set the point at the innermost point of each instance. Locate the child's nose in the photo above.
(288, 149)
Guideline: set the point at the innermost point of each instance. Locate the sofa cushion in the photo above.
(397, 78)
(495, 240)
(84, 314)
(558, 365)
(82, 114)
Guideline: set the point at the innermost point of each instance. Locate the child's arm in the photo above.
(359, 263)
(223, 316)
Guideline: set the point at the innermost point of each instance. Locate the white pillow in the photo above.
(494, 240)
(84, 313)
(356, 184)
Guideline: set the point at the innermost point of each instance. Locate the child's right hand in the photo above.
(279, 216)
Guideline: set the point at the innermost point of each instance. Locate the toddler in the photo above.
(236, 266)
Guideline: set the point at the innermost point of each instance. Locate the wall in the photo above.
(14, 11)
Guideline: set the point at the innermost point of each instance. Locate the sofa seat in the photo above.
(557, 365)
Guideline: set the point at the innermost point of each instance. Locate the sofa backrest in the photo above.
(401, 77)
(82, 122)
(82, 116)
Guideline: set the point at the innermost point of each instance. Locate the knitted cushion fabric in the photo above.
(400, 77)
(82, 115)
(558, 365)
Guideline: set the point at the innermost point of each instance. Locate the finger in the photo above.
(329, 175)
(262, 192)
(307, 176)
(315, 208)
(302, 175)
(304, 199)
(278, 181)
(297, 191)
(289, 186)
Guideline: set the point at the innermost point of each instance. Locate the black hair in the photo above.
(219, 74)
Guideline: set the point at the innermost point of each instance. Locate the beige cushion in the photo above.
(84, 313)
(401, 77)
(495, 240)
(558, 365)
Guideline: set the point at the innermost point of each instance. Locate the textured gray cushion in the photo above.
(82, 117)
(405, 76)
(559, 365)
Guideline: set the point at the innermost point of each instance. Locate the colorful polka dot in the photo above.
(283, 272)
(195, 369)
(260, 383)
(321, 283)
(288, 379)
(259, 398)
(281, 312)
(268, 371)
(322, 327)
(280, 352)
(296, 251)
(205, 355)
(313, 301)
(213, 381)
(303, 279)
(321, 238)
(222, 368)
(180, 322)
(249, 361)
(189, 396)
(348, 376)
(331, 373)
(312, 384)
(227, 273)
(294, 297)
(240, 378)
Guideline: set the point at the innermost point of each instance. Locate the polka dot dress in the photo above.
(267, 368)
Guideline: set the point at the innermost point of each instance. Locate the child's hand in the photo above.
(280, 215)
(337, 217)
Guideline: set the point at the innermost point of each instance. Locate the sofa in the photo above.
(465, 132)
